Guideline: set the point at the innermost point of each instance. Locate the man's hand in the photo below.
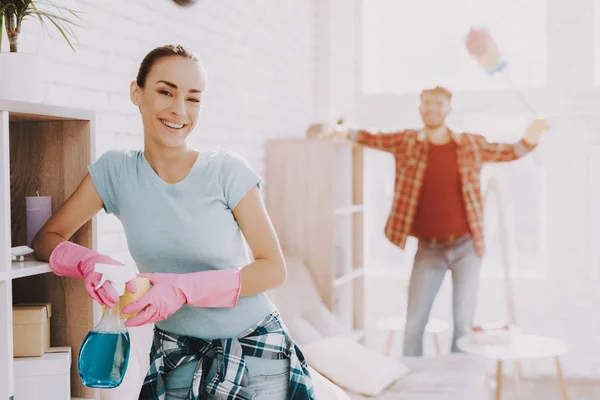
(535, 130)
(315, 130)
(324, 131)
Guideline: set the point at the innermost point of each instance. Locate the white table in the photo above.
(435, 326)
(524, 347)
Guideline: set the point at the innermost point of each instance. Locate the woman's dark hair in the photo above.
(158, 54)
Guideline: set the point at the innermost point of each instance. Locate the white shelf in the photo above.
(36, 111)
(348, 210)
(349, 277)
(28, 268)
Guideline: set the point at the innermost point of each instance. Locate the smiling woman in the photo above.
(168, 91)
(186, 214)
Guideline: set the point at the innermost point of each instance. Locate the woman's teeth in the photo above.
(172, 125)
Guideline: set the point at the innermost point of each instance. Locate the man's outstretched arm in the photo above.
(503, 152)
(391, 142)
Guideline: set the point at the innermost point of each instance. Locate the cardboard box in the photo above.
(47, 377)
(31, 329)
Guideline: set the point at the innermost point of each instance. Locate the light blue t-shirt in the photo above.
(184, 227)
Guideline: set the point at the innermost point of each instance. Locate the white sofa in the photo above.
(454, 377)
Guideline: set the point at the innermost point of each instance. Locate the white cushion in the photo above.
(353, 366)
(302, 331)
(325, 389)
(452, 377)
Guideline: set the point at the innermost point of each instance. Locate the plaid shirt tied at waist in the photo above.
(267, 339)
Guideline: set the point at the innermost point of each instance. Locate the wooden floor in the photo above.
(547, 389)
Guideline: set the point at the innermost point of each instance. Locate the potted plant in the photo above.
(21, 73)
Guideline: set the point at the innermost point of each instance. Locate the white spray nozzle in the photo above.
(118, 275)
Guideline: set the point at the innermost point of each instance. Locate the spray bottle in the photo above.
(104, 353)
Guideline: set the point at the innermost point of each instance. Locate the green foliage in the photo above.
(14, 12)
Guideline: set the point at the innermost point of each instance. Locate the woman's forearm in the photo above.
(44, 243)
(262, 275)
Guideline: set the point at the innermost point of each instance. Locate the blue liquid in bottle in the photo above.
(104, 354)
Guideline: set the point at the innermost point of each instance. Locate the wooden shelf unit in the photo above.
(315, 200)
(46, 149)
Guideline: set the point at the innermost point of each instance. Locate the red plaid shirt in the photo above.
(409, 148)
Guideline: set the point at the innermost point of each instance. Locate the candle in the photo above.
(38, 210)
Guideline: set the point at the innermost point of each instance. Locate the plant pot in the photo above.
(21, 77)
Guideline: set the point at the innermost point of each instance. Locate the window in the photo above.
(409, 45)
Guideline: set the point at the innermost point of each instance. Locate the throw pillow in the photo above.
(353, 366)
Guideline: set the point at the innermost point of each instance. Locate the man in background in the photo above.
(438, 200)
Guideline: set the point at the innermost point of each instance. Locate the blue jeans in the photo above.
(429, 269)
(267, 379)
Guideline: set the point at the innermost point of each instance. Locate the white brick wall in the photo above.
(260, 58)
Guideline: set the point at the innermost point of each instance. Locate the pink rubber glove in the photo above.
(208, 289)
(75, 261)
